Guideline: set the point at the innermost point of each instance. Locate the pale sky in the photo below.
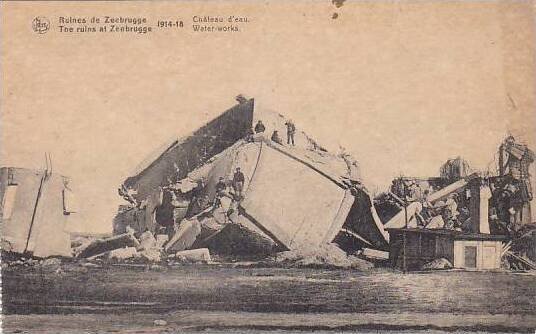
(403, 86)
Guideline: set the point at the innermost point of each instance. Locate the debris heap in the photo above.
(470, 213)
(231, 188)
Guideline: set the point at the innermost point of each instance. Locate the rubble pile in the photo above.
(236, 190)
(230, 192)
(438, 264)
(467, 205)
(231, 189)
(325, 256)
(520, 252)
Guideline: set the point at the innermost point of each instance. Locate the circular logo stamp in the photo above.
(41, 24)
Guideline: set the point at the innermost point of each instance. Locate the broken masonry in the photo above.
(240, 193)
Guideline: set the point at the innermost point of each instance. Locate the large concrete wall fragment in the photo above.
(192, 151)
(34, 225)
(16, 223)
(295, 203)
(364, 224)
(49, 236)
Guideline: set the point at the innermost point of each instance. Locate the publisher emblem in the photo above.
(41, 24)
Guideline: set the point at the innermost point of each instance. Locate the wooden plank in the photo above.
(447, 190)
(375, 254)
(355, 235)
(527, 262)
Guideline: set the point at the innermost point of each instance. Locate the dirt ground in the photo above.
(225, 298)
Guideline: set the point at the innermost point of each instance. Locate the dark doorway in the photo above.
(470, 256)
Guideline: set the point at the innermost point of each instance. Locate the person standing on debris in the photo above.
(275, 138)
(221, 187)
(427, 206)
(238, 183)
(291, 130)
(451, 211)
(259, 127)
(200, 200)
(164, 214)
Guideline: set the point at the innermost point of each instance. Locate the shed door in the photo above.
(470, 256)
(488, 257)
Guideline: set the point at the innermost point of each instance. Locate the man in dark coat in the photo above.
(259, 127)
(164, 212)
(221, 187)
(275, 138)
(238, 183)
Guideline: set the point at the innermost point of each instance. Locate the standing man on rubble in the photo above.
(238, 183)
(164, 214)
(221, 187)
(514, 162)
(291, 130)
(450, 211)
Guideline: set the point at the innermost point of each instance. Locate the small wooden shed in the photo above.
(411, 248)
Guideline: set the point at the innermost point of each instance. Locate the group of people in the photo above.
(291, 130)
(237, 185)
(166, 212)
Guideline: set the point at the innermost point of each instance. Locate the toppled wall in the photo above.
(298, 205)
(192, 151)
(362, 227)
(295, 196)
(136, 218)
(35, 209)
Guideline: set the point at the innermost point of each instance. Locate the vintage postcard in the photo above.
(268, 166)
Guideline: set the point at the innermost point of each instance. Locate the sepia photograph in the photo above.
(328, 166)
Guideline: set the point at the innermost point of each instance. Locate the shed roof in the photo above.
(456, 235)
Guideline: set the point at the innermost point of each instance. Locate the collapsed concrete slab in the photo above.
(374, 254)
(291, 197)
(174, 160)
(147, 240)
(362, 226)
(442, 193)
(324, 256)
(405, 215)
(35, 209)
(185, 236)
(101, 246)
(123, 253)
(295, 204)
(193, 255)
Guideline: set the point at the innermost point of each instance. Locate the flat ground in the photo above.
(214, 298)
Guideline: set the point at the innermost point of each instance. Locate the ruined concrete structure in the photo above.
(302, 197)
(36, 206)
(514, 165)
(462, 218)
(294, 196)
